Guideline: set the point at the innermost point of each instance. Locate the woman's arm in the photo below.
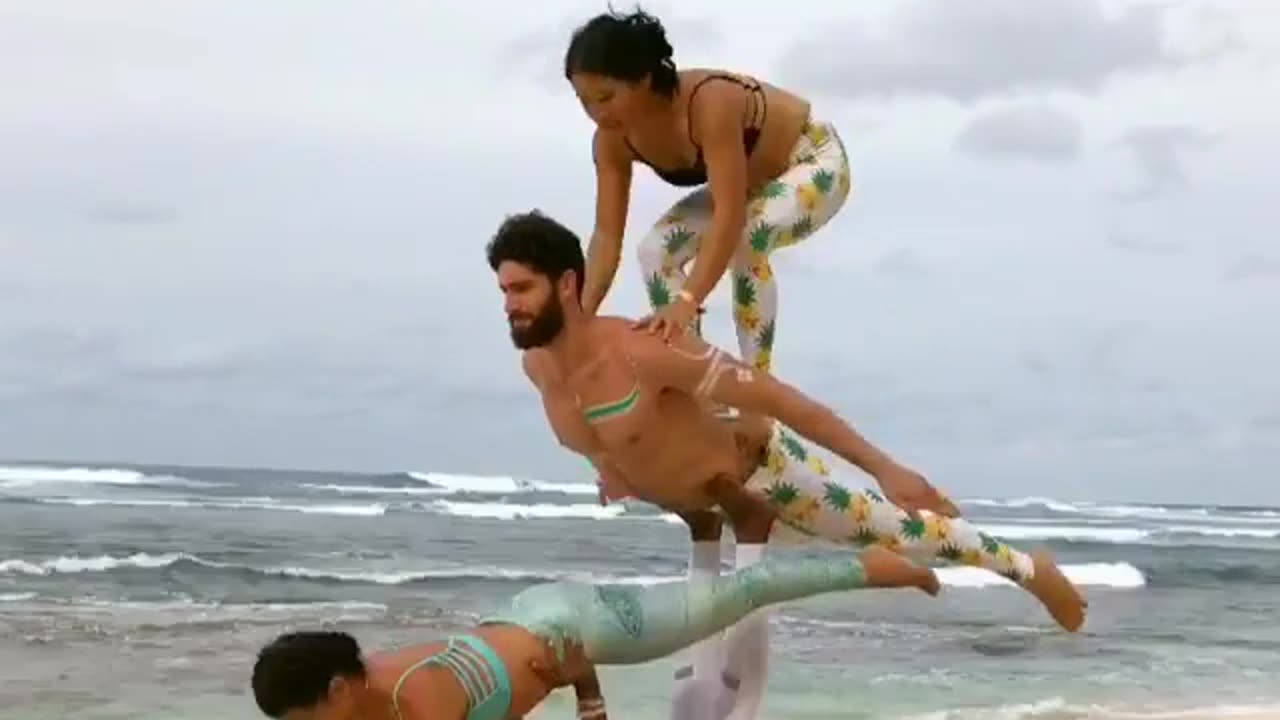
(575, 669)
(613, 193)
(718, 127)
(590, 698)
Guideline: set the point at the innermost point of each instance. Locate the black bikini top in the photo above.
(696, 174)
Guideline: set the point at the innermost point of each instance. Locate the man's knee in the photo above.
(704, 525)
(751, 515)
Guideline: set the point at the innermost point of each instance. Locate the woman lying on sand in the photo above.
(551, 636)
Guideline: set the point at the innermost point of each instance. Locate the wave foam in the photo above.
(1115, 511)
(1159, 535)
(504, 511)
(371, 510)
(1115, 575)
(495, 485)
(1120, 575)
(18, 476)
(1059, 709)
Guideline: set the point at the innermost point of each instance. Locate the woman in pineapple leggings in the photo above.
(764, 172)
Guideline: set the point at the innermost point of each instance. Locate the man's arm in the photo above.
(689, 364)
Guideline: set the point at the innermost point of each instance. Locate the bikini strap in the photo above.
(471, 663)
(759, 109)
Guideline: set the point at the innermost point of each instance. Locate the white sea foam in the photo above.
(25, 476)
(1115, 575)
(499, 484)
(507, 511)
(363, 510)
(1057, 708)
(1112, 575)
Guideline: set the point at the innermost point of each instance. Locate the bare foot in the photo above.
(1063, 601)
(887, 569)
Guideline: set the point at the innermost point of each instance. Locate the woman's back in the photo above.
(431, 676)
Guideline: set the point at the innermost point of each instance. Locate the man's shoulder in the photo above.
(621, 334)
(538, 365)
(616, 329)
(611, 322)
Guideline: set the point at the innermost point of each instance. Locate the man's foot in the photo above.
(887, 569)
(1063, 601)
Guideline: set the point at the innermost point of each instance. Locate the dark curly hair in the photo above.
(624, 47)
(293, 671)
(538, 241)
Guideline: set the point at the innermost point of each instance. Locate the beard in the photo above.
(543, 327)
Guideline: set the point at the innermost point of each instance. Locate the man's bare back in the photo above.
(665, 443)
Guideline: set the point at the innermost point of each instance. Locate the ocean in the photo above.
(144, 592)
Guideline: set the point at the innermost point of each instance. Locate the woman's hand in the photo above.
(674, 317)
(557, 673)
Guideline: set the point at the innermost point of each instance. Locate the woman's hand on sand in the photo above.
(557, 672)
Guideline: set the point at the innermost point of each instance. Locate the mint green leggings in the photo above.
(631, 624)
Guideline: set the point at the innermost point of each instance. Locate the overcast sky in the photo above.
(237, 232)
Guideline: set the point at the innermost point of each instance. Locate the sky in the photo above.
(245, 233)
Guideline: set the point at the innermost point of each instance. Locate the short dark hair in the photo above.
(294, 670)
(536, 240)
(624, 47)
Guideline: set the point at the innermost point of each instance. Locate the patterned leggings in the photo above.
(786, 210)
(812, 502)
(632, 624)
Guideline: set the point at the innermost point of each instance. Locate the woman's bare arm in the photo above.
(613, 196)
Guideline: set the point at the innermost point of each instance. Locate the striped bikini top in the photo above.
(613, 408)
(479, 671)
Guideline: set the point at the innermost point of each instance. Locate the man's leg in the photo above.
(809, 499)
(699, 686)
(746, 645)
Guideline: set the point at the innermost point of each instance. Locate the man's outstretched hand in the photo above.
(910, 491)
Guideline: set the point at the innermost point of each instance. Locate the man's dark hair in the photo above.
(536, 240)
(624, 47)
(294, 670)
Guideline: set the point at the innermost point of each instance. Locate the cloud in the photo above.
(538, 53)
(1252, 267)
(269, 252)
(966, 51)
(1033, 131)
(1157, 150)
(131, 215)
(1146, 246)
(902, 262)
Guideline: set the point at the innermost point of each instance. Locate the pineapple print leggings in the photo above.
(786, 210)
(813, 503)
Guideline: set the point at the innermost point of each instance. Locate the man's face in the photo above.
(532, 304)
